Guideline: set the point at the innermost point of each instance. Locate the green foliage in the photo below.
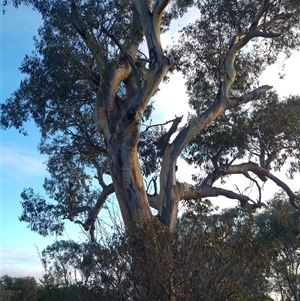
(203, 45)
(59, 93)
(18, 288)
(220, 256)
(210, 256)
(63, 80)
(267, 132)
(151, 156)
(279, 233)
(231, 255)
(42, 217)
(276, 128)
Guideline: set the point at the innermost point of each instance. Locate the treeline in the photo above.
(234, 255)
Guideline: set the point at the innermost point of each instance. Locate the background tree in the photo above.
(209, 256)
(19, 288)
(279, 232)
(228, 255)
(84, 271)
(219, 256)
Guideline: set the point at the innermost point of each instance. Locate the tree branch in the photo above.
(88, 72)
(171, 131)
(256, 183)
(89, 38)
(193, 192)
(153, 198)
(99, 174)
(158, 124)
(238, 42)
(109, 189)
(263, 174)
(189, 191)
(92, 213)
(151, 23)
(250, 96)
(154, 201)
(223, 103)
(270, 23)
(260, 13)
(160, 6)
(128, 58)
(72, 213)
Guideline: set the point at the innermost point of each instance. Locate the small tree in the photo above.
(209, 256)
(19, 288)
(279, 233)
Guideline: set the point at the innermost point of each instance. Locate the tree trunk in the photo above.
(128, 183)
(152, 262)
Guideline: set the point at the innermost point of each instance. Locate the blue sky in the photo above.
(22, 165)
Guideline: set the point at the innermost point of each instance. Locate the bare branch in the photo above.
(293, 198)
(154, 201)
(98, 206)
(128, 58)
(238, 42)
(72, 213)
(189, 191)
(269, 24)
(193, 192)
(151, 23)
(250, 96)
(256, 183)
(263, 34)
(171, 131)
(260, 13)
(159, 124)
(99, 174)
(92, 233)
(154, 184)
(160, 6)
(92, 213)
(264, 174)
(216, 157)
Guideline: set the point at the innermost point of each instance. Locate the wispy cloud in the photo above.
(19, 163)
(18, 263)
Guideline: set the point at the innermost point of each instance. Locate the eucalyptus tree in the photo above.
(279, 233)
(90, 85)
(18, 288)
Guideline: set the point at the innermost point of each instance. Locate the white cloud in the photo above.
(290, 83)
(172, 99)
(19, 263)
(19, 163)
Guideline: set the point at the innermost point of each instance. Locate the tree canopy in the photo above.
(89, 88)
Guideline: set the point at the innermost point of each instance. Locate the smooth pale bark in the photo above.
(119, 120)
(128, 183)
